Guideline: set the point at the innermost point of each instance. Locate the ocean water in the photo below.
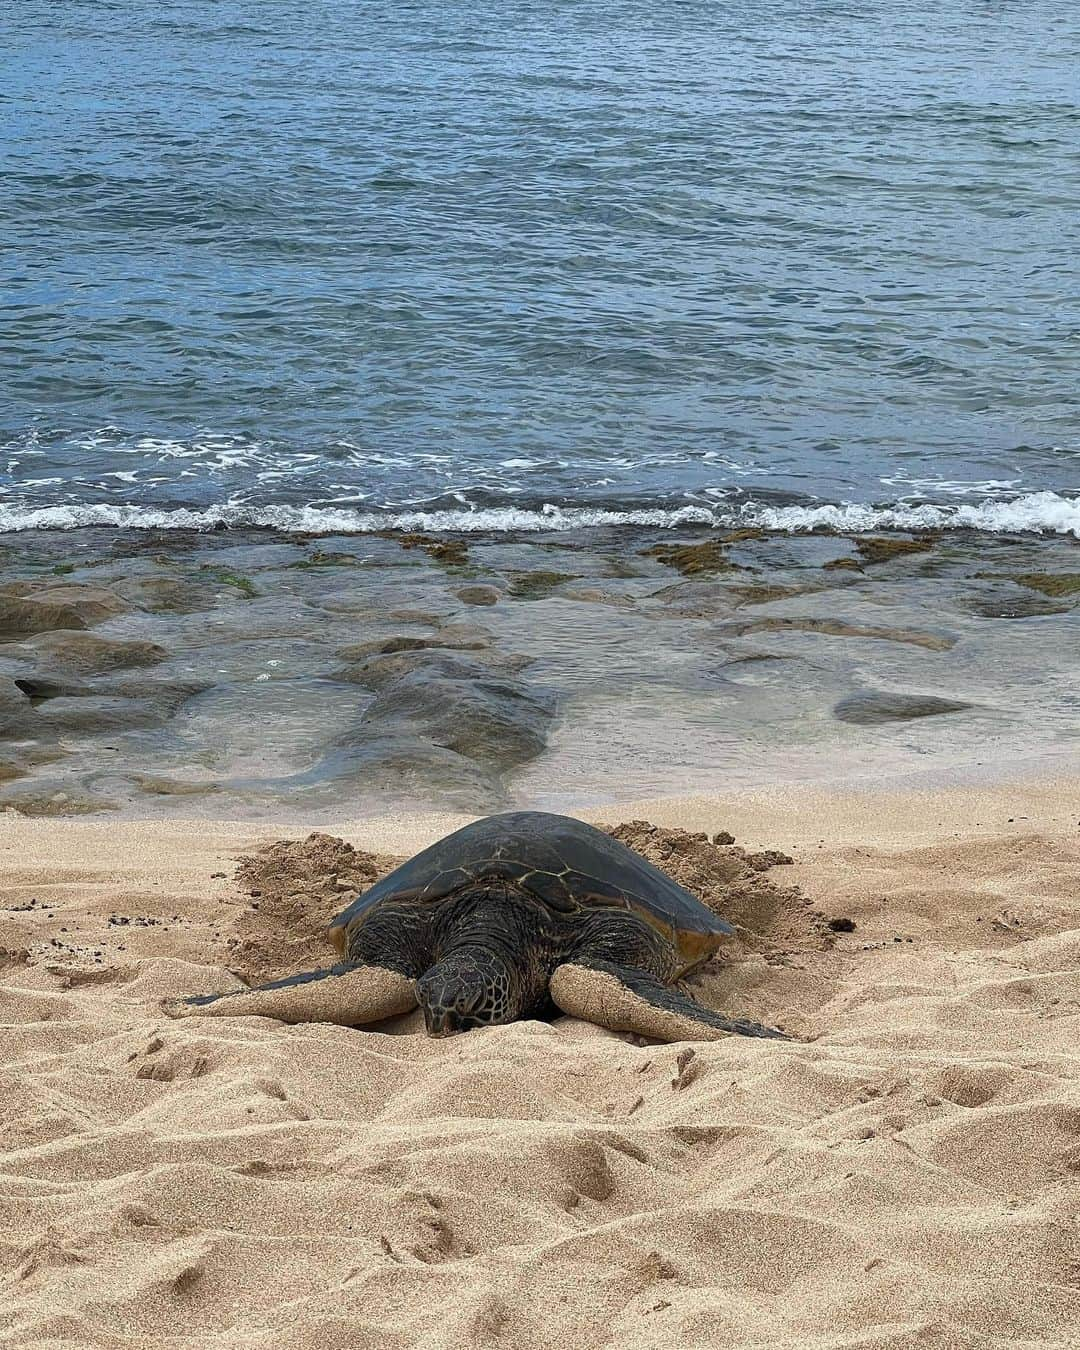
(451, 264)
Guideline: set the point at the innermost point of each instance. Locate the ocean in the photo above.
(335, 266)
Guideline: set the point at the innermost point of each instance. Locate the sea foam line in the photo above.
(1038, 512)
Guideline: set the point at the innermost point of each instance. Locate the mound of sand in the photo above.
(295, 887)
(906, 1180)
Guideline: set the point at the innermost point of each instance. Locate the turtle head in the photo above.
(467, 989)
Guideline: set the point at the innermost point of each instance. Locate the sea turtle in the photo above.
(500, 920)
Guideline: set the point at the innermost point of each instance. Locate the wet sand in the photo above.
(902, 1176)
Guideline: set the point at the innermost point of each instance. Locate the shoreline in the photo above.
(138, 671)
(801, 817)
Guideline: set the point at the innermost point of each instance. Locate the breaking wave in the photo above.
(1036, 512)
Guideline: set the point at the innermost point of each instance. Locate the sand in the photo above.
(906, 1175)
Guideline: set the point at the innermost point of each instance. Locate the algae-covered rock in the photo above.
(693, 559)
(235, 580)
(538, 585)
(764, 594)
(1054, 584)
(881, 548)
(450, 552)
(744, 535)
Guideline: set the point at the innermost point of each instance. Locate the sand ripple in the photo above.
(906, 1179)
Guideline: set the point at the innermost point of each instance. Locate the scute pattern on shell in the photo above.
(566, 863)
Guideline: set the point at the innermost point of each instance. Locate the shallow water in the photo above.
(359, 257)
(363, 675)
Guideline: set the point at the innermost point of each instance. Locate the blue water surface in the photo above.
(591, 250)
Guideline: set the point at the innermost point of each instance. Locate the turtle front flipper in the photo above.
(625, 999)
(347, 994)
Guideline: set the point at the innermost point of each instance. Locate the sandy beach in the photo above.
(660, 416)
(903, 1175)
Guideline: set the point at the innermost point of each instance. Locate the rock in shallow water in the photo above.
(1012, 604)
(498, 723)
(35, 607)
(451, 638)
(384, 669)
(872, 708)
(84, 653)
(14, 705)
(407, 768)
(478, 595)
(168, 594)
(93, 714)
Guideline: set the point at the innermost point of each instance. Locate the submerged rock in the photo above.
(382, 670)
(595, 595)
(479, 595)
(1049, 583)
(54, 797)
(499, 723)
(872, 707)
(14, 705)
(539, 585)
(935, 642)
(411, 768)
(168, 595)
(765, 594)
(91, 714)
(452, 638)
(36, 607)
(84, 653)
(1012, 602)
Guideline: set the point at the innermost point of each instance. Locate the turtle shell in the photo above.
(565, 863)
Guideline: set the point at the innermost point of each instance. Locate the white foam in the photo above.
(1038, 512)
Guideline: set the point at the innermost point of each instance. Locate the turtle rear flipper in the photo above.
(624, 999)
(346, 994)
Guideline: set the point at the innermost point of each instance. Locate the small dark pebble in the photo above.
(723, 838)
(842, 925)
